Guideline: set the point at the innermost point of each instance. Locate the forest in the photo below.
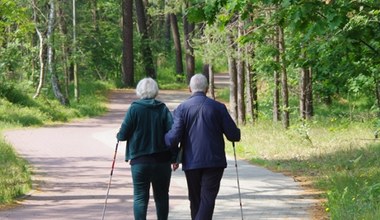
(296, 63)
(316, 52)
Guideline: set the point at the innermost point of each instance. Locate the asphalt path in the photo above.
(72, 163)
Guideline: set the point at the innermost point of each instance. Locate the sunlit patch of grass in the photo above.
(340, 158)
(15, 175)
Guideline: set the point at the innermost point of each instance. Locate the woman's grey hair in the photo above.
(147, 88)
(198, 83)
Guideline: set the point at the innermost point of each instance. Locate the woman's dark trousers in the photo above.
(157, 174)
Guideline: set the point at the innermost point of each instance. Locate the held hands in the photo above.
(175, 166)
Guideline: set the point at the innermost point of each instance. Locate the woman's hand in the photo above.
(175, 166)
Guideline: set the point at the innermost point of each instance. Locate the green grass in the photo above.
(15, 175)
(340, 158)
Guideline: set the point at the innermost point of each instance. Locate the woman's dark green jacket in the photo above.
(144, 127)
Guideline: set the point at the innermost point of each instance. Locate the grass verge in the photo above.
(15, 176)
(340, 160)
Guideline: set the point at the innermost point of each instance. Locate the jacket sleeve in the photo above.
(125, 130)
(230, 130)
(174, 136)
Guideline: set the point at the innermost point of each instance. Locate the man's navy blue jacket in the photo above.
(199, 125)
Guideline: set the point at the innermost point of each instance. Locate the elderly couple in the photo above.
(153, 134)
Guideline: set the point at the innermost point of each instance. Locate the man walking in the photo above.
(199, 126)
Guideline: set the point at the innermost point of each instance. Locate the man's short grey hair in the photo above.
(147, 88)
(198, 83)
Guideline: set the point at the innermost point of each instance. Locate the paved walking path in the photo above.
(72, 164)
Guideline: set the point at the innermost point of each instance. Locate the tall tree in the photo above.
(306, 106)
(240, 68)
(284, 78)
(232, 70)
(177, 45)
(276, 88)
(377, 91)
(62, 25)
(128, 62)
(50, 55)
(251, 88)
(146, 51)
(41, 40)
(188, 28)
(75, 64)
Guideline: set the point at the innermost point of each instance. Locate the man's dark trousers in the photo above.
(203, 185)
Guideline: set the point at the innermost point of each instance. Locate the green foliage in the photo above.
(15, 174)
(100, 43)
(166, 79)
(93, 99)
(17, 108)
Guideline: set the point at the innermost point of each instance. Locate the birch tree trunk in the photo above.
(211, 84)
(233, 88)
(41, 59)
(233, 81)
(50, 56)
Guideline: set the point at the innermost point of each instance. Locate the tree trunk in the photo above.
(306, 106)
(233, 88)
(168, 33)
(127, 63)
(75, 65)
(40, 53)
(309, 97)
(94, 12)
(276, 79)
(188, 29)
(145, 42)
(284, 79)
(240, 78)
(251, 91)
(177, 45)
(377, 88)
(65, 57)
(211, 85)
(50, 56)
(303, 83)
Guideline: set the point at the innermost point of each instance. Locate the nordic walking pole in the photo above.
(109, 183)
(237, 178)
